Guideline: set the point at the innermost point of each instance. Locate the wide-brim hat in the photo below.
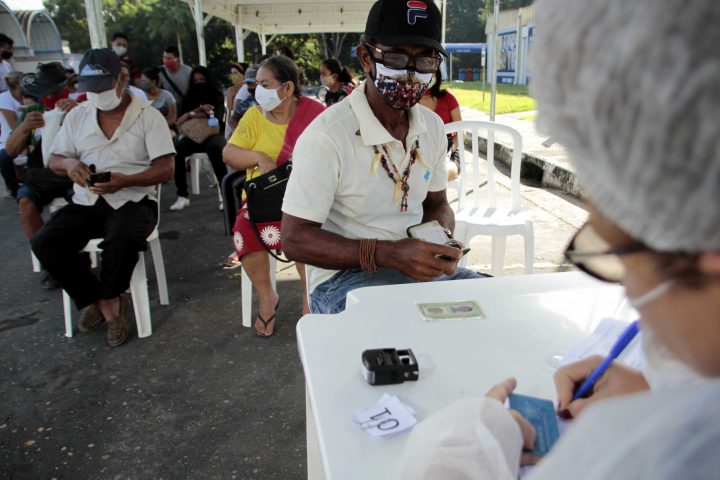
(48, 78)
(400, 22)
(99, 68)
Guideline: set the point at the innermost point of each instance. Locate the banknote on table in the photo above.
(468, 309)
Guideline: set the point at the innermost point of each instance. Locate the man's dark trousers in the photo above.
(124, 231)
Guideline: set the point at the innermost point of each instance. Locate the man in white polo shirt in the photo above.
(372, 166)
(117, 134)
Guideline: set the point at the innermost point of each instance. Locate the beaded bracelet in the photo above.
(367, 254)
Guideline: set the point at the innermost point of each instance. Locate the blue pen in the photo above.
(620, 344)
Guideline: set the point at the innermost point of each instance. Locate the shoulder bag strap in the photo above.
(248, 193)
(172, 84)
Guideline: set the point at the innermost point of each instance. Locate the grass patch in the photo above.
(510, 98)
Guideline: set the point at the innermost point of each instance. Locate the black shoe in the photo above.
(48, 282)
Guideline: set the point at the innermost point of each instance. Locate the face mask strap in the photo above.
(652, 295)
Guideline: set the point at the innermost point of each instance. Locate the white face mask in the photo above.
(268, 99)
(119, 50)
(327, 80)
(105, 101)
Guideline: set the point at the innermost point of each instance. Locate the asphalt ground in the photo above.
(202, 397)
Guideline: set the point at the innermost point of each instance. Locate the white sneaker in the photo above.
(180, 204)
(221, 207)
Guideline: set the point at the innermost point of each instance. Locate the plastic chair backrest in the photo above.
(474, 127)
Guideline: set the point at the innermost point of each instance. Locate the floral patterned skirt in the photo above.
(244, 236)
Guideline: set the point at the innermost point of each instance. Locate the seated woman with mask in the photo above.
(202, 101)
(263, 140)
(631, 89)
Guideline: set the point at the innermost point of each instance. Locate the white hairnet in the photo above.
(632, 89)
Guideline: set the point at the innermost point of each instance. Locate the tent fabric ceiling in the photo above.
(271, 17)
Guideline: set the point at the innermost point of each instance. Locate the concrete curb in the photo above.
(549, 174)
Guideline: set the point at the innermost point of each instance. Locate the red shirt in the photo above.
(445, 105)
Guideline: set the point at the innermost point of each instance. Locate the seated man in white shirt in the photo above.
(117, 133)
(372, 166)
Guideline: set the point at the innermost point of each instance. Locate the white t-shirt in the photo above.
(333, 181)
(138, 93)
(242, 94)
(7, 102)
(143, 136)
(5, 68)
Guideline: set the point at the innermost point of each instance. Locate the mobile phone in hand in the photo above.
(430, 231)
(99, 177)
(433, 232)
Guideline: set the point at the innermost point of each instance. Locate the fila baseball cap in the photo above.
(99, 67)
(405, 22)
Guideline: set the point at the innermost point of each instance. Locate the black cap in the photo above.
(98, 68)
(405, 22)
(48, 78)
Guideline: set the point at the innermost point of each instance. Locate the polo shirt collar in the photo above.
(372, 131)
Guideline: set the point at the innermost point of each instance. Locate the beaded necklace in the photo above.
(401, 181)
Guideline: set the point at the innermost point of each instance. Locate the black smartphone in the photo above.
(99, 177)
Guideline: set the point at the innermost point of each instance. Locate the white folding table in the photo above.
(531, 321)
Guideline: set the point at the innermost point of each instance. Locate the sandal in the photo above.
(231, 261)
(265, 323)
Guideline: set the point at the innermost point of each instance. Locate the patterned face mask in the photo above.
(401, 89)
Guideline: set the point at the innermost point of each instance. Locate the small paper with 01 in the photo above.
(461, 310)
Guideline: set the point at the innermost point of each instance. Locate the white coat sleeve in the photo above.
(472, 439)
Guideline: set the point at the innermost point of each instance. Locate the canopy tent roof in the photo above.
(10, 26)
(40, 32)
(270, 17)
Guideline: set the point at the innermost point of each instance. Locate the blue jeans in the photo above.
(329, 296)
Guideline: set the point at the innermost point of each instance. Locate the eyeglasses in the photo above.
(402, 61)
(593, 255)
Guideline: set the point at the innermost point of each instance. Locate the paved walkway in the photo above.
(551, 161)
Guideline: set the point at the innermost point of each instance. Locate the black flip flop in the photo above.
(266, 322)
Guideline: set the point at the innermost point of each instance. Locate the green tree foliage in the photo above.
(464, 23)
(71, 19)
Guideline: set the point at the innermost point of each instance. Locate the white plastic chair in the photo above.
(473, 218)
(246, 292)
(197, 162)
(138, 282)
